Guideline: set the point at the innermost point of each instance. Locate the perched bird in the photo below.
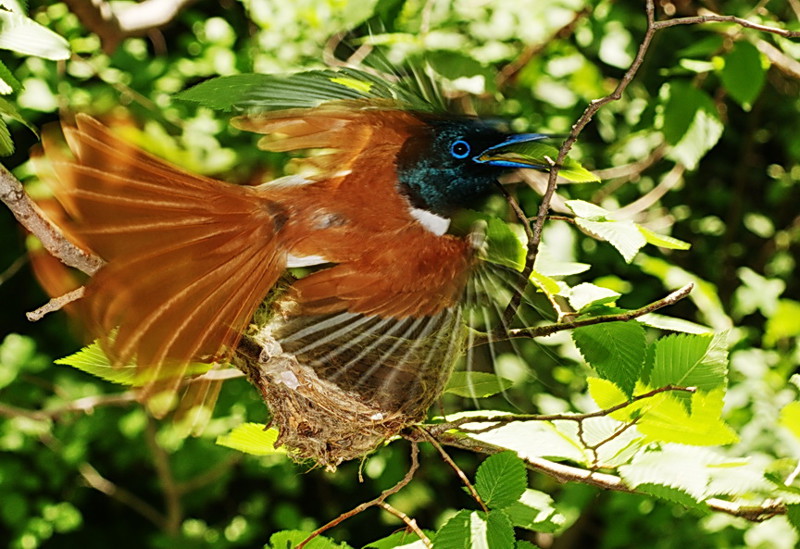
(196, 268)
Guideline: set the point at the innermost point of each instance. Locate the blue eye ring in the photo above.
(459, 149)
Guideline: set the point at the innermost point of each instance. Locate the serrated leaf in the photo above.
(92, 360)
(544, 283)
(287, 539)
(743, 73)
(668, 419)
(252, 438)
(625, 236)
(532, 439)
(23, 35)
(457, 532)
(793, 514)
(534, 511)
(790, 418)
(8, 82)
(501, 479)
(8, 109)
(662, 240)
(587, 210)
(689, 360)
(476, 384)
(678, 467)
(671, 494)
(499, 530)
(400, 540)
(616, 350)
(672, 324)
(586, 295)
(6, 144)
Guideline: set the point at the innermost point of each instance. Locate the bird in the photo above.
(200, 270)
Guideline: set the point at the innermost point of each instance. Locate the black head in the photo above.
(451, 163)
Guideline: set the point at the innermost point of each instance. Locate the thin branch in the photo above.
(715, 18)
(377, 501)
(438, 428)
(568, 473)
(667, 183)
(55, 304)
(549, 329)
(411, 523)
(85, 405)
(172, 496)
(30, 216)
(13, 269)
(446, 457)
(112, 25)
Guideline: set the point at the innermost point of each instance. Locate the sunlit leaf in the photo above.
(400, 540)
(586, 295)
(252, 438)
(690, 122)
(688, 360)
(784, 322)
(476, 384)
(790, 418)
(625, 236)
(535, 511)
(501, 479)
(666, 419)
(23, 35)
(287, 539)
(531, 439)
(662, 240)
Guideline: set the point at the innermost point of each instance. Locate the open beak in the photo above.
(520, 151)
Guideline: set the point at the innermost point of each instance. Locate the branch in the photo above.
(172, 495)
(548, 329)
(411, 523)
(31, 217)
(55, 304)
(85, 405)
(439, 428)
(568, 473)
(112, 26)
(715, 18)
(377, 501)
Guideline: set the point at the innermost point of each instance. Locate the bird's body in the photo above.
(190, 259)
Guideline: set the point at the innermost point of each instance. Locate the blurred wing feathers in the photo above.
(192, 257)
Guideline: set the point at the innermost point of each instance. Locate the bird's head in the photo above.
(449, 163)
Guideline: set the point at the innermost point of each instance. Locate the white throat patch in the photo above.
(436, 224)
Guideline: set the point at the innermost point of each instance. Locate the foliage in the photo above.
(695, 412)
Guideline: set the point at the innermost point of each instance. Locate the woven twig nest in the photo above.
(331, 418)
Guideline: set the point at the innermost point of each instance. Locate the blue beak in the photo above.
(512, 153)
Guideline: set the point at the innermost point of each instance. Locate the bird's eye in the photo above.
(459, 149)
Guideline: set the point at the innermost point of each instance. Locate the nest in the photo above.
(331, 422)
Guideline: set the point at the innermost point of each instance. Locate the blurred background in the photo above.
(703, 146)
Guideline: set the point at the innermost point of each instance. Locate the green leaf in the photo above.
(615, 350)
(8, 109)
(23, 35)
(625, 236)
(671, 494)
(743, 73)
(784, 322)
(457, 533)
(790, 418)
(476, 384)
(400, 540)
(8, 82)
(689, 360)
(690, 122)
(672, 324)
(666, 418)
(541, 156)
(288, 539)
(663, 241)
(793, 514)
(501, 479)
(92, 360)
(252, 438)
(587, 295)
(534, 439)
(6, 144)
(534, 511)
(587, 210)
(499, 530)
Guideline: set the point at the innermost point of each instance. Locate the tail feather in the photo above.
(189, 258)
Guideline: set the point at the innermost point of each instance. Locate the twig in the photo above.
(446, 457)
(28, 214)
(55, 304)
(172, 496)
(85, 405)
(411, 523)
(568, 473)
(434, 430)
(377, 501)
(112, 25)
(549, 329)
(13, 268)
(715, 18)
(669, 181)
